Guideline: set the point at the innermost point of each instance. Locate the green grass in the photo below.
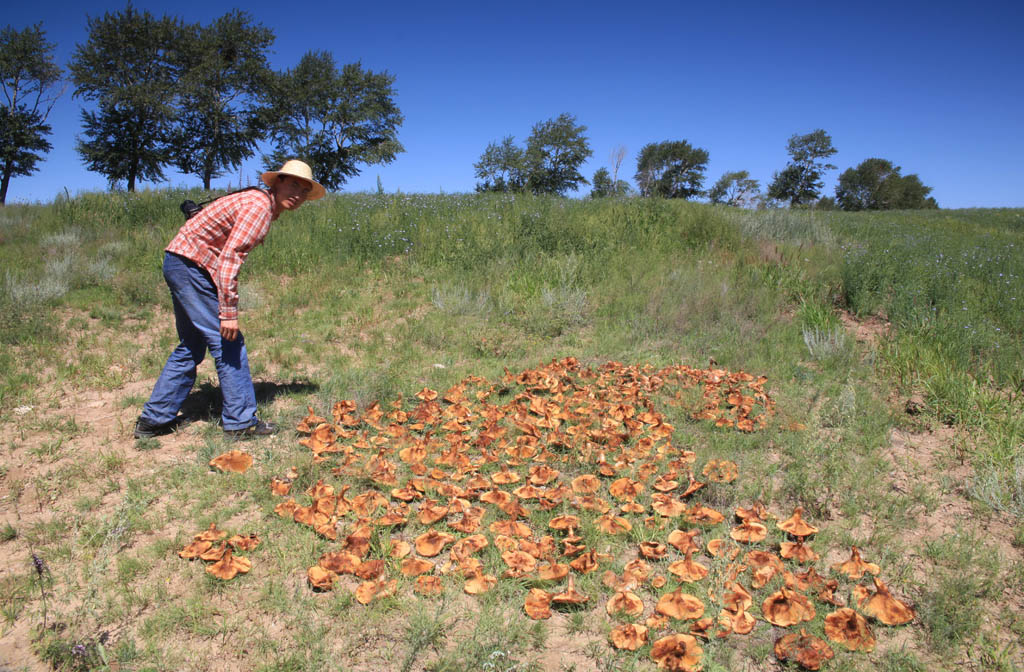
(370, 297)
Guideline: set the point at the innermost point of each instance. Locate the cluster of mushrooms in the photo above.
(549, 475)
(217, 549)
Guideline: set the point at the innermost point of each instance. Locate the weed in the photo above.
(8, 532)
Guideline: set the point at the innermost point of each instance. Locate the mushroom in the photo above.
(798, 551)
(519, 564)
(416, 566)
(720, 471)
(806, 650)
(233, 460)
(430, 512)
(625, 489)
(340, 562)
(229, 566)
(629, 636)
(736, 598)
(749, 532)
(667, 506)
(610, 524)
(538, 604)
(211, 534)
(553, 571)
(479, 583)
(632, 507)
(585, 563)
(786, 607)
(855, 567)
(885, 608)
(703, 514)
(369, 570)
(652, 550)
(756, 513)
(564, 522)
(678, 652)
(371, 590)
(194, 550)
(850, 629)
(320, 578)
(432, 542)
(626, 602)
(796, 526)
(726, 549)
(399, 549)
(586, 484)
(684, 541)
(688, 569)
(679, 605)
(428, 585)
(570, 597)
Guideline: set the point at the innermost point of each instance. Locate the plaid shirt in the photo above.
(219, 238)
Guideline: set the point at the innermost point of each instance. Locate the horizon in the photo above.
(932, 89)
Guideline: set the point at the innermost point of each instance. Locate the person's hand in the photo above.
(229, 329)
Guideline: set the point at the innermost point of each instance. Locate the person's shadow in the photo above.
(205, 402)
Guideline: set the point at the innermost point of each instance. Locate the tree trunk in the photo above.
(206, 179)
(131, 180)
(5, 181)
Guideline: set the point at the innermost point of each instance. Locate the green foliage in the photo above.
(876, 184)
(128, 66)
(604, 185)
(333, 120)
(555, 151)
(800, 181)
(550, 163)
(225, 76)
(29, 82)
(502, 167)
(735, 189)
(671, 169)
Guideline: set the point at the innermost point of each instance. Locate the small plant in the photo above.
(8, 533)
(823, 344)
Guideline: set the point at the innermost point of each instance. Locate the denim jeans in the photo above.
(196, 317)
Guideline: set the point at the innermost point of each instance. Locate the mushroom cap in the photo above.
(652, 550)
(855, 567)
(610, 524)
(629, 636)
(194, 550)
(479, 583)
(519, 563)
(211, 534)
(786, 607)
(320, 578)
(718, 547)
(626, 602)
(885, 608)
(742, 623)
(428, 585)
(369, 570)
(703, 514)
(399, 549)
(570, 597)
(340, 562)
(679, 605)
(677, 652)
(431, 542)
(564, 522)
(625, 489)
(749, 532)
(667, 506)
(806, 650)
(736, 598)
(586, 484)
(416, 566)
(552, 571)
(234, 460)
(798, 550)
(688, 569)
(796, 525)
(585, 563)
(850, 629)
(684, 541)
(229, 566)
(369, 591)
(538, 604)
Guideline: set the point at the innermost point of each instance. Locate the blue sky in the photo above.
(937, 88)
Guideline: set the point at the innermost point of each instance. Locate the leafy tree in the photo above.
(800, 181)
(876, 184)
(671, 169)
(736, 189)
(502, 167)
(555, 151)
(129, 67)
(225, 75)
(606, 185)
(30, 84)
(333, 120)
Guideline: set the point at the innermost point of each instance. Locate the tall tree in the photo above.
(128, 67)
(671, 169)
(736, 189)
(800, 181)
(876, 184)
(502, 167)
(225, 75)
(30, 82)
(555, 151)
(604, 184)
(333, 120)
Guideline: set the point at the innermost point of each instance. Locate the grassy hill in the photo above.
(891, 344)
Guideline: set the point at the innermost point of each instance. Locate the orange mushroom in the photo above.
(626, 602)
(234, 460)
(340, 562)
(721, 471)
(652, 550)
(749, 532)
(194, 550)
(796, 526)
(569, 598)
(629, 636)
(610, 524)
(229, 566)
(680, 606)
(684, 541)
(688, 569)
(553, 571)
(678, 652)
(519, 563)
(416, 566)
(736, 598)
(786, 607)
(478, 583)
(431, 543)
(885, 608)
(798, 551)
(538, 604)
(320, 578)
(806, 650)
(428, 585)
(850, 629)
(855, 567)
(369, 591)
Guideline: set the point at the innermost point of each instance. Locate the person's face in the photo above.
(291, 192)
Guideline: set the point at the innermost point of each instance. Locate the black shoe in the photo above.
(259, 429)
(147, 430)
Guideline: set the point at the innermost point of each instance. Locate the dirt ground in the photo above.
(107, 422)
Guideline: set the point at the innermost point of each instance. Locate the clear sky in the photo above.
(935, 87)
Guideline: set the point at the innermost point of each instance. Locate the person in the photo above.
(201, 269)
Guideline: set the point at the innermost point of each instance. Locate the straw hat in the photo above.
(298, 169)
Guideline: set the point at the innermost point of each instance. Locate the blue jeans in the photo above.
(196, 317)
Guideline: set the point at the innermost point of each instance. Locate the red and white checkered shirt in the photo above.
(220, 236)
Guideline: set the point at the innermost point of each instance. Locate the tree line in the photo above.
(165, 93)
(555, 150)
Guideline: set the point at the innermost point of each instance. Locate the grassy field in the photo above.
(891, 343)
